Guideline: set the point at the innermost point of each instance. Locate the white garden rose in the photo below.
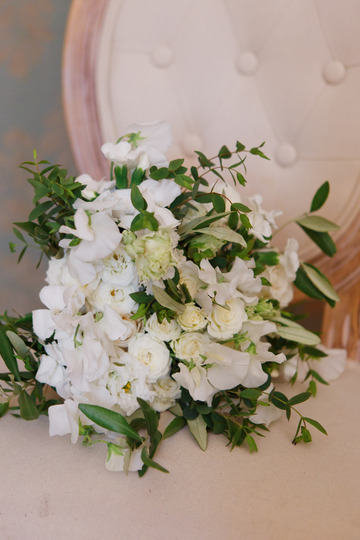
(164, 331)
(190, 346)
(152, 353)
(192, 319)
(224, 322)
(166, 390)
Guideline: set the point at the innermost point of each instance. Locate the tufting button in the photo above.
(192, 142)
(286, 155)
(247, 63)
(334, 72)
(162, 56)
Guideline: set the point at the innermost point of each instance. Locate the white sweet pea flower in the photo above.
(118, 298)
(93, 187)
(118, 454)
(119, 269)
(265, 414)
(281, 276)
(64, 419)
(196, 382)
(228, 367)
(189, 276)
(329, 367)
(242, 276)
(100, 236)
(262, 222)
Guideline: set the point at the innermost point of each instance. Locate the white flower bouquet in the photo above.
(164, 293)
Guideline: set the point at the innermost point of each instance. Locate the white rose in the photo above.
(166, 392)
(164, 331)
(151, 353)
(190, 346)
(192, 319)
(224, 323)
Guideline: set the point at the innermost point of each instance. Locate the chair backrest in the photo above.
(284, 72)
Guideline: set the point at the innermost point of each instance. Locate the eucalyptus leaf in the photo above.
(18, 344)
(150, 462)
(28, 409)
(110, 420)
(151, 417)
(198, 430)
(320, 282)
(223, 233)
(7, 354)
(320, 197)
(299, 335)
(316, 424)
(166, 301)
(317, 223)
(175, 425)
(200, 222)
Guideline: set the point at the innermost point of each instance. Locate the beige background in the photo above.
(31, 40)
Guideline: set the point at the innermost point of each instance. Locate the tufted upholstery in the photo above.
(286, 72)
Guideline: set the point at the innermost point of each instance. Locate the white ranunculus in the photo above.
(196, 382)
(166, 391)
(226, 321)
(192, 319)
(116, 297)
(152, 353)
(164, 331)
(190, 345)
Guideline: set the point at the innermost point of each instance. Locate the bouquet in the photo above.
(164, 293)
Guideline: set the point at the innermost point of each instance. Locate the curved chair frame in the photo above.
(340, 324)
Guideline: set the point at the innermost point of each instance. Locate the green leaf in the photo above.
(323, 240)
(166, 301)
(220, 423)
(151, 417)
(241, 179)
(251, 443)
(137, 199)
(28, 409)
(203, 160)
(316, 424)
(320, 281)
(150, 462)
(137, 177)
(7, 354)
(320, 197)
(184, 181)
(18, 344)
(175, 425)
(279, 400)
(305, 435)
(298, 334)
(141, 297)
(314, 353)
(218, 202)
(245, 221)
(175, 164)
(257, 152)
(199, 222)
(109, 420)
(224, 153)
(40, 209)
(4, 407)
(317, 223)
(121, 177)
(250, 393)
(303, 283)
(299, 398)
(159, 174)
(198, 430)
(241, 207)
(223, 233)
